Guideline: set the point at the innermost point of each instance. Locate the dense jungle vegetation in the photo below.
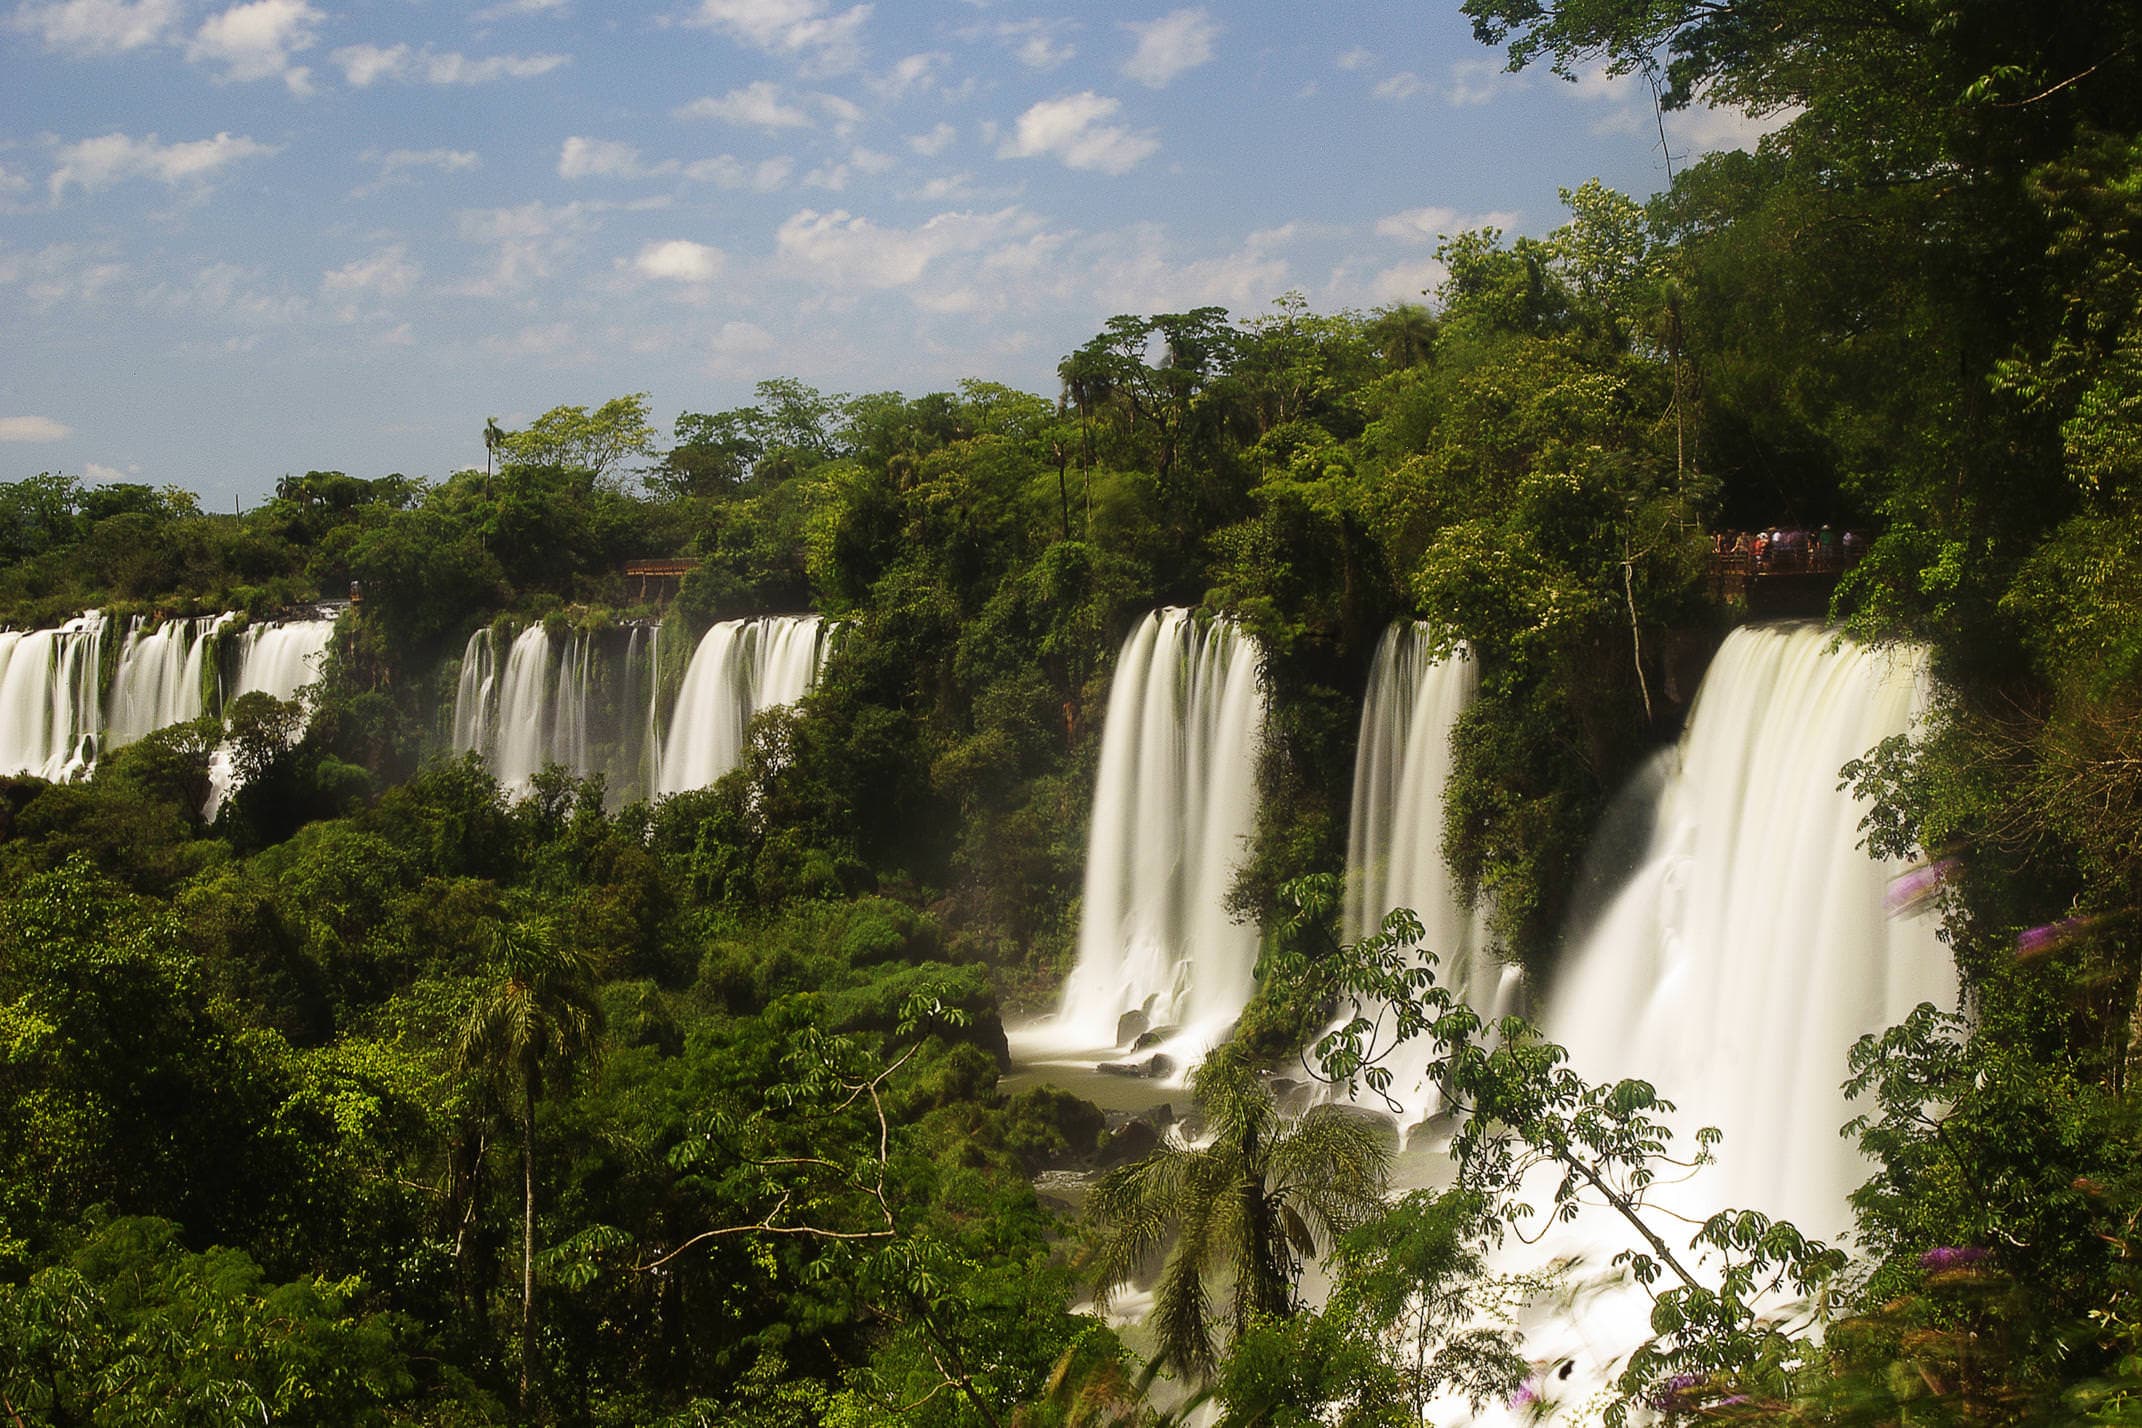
(383, 1098)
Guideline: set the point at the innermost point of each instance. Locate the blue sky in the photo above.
(243, 240)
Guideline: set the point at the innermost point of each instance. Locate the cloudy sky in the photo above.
(287, 234)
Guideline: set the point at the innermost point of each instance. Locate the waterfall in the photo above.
(520, 716)
(160, 679)
(1739, 963)
(50, 712)
(276, 658)
(1174, 810)
(536, 700)
(1751, 948)
(474, 694)
(1394, 845)
(741, 668)
(519, 744)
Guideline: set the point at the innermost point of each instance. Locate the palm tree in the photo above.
(538, 1016)
(494, 436)
(1404, 334)
(1243, 1209)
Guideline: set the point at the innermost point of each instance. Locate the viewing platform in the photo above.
(660, 579)
(1785, 579)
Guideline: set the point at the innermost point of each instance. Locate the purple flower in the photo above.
(1524, 1398)
(1953, 1257)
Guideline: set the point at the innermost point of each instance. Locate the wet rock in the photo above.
(1131, 1025)
(1154, 1037)
(1135, 1141)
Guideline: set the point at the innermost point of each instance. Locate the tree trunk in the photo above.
(527, 1240)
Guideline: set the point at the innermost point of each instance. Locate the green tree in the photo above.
(1248, 1207)
(536, 1019)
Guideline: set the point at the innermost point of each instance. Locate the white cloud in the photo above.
(1356, 58)
(1692, 132)
(935, 142)
(758, 105)
(679, 260)
(63, 272)
(603, 158)
(947, 188)
(256, 40)
(12, 182)
(513, 9)
(366, 65)
(1477, 82)
(1431, 224)
(100, 474)
(1408, 282)
(540, 340)
(1037, 44)
(1131, 271)
(33, 428)
(97, 27)
(1403, 85)
(916, 73)
(870, 161)
(94, 164)
(396, 165)
(1418, 225)
(527, 242)
(1171, 45)
(827, 43)
(728, 171)
(1072, 129)
(735, 352)
(388, 272)
(847, 252)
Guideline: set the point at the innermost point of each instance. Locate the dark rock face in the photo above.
(1131, 1025)
(1154, 1037)
(1136, 1140)
(1153, 1067)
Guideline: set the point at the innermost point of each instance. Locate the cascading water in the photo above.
(1174, 810)
(50, 712)
(1740, 962)
(519, 740)
(741, 668)
(276, 658)
(160, 680)
(536, 699)
(1394, 845)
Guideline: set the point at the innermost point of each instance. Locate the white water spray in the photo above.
(276, 658)
(741, 668)
(50, 712)
(1738, 965)
(1394, 845)
(161, 679)
(1174, 811)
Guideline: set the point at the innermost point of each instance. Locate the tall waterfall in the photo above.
(741, 668)
(276, 658)
(1174, 810)
(51, 713)
(1737, 966)
(280, 657)
(1394, 845)
(536, 699)
(162, 677)
(1751, 948)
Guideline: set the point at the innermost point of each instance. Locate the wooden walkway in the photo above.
(1795, 580)
(659, 579)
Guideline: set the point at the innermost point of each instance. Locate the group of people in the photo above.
(1784, 548)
